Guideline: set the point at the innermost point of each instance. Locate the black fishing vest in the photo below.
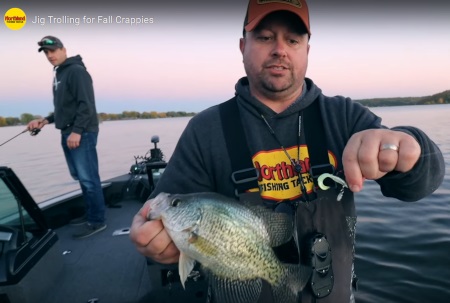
(244, 174)
(245, 177)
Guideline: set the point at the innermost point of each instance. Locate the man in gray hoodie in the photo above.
(75, 115)
(274, 103)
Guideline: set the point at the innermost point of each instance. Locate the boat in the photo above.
(40, 261)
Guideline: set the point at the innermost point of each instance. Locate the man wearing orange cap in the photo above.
(296, 138)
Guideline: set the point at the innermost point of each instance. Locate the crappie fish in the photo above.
(233, 242)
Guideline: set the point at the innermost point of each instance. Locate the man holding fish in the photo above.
(299, 207)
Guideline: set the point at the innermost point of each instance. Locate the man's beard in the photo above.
(270, 84)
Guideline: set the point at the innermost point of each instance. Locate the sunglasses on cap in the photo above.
(47, 41)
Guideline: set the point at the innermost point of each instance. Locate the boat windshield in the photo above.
(13, 216)
(19, 213)
(26, 243)
(10, 209)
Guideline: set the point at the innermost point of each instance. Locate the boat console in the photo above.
(28, 247)
(31, 258)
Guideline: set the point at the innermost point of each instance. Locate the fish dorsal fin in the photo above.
(279, 225)
(185, 266)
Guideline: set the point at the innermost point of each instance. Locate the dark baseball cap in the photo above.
(258, 9)
(49, 42)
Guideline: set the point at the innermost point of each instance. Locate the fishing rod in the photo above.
(33, 132)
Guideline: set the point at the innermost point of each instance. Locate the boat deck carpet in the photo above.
(103, 268)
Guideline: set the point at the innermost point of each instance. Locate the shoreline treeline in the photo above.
(126, 115)
(439, 98)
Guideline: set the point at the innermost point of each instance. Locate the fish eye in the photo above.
(175, 202)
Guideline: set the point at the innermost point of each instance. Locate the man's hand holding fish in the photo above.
(152, 239)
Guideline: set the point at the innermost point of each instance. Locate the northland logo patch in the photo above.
(278, 179)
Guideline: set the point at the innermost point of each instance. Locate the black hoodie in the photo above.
(73, 98)
(200, 163)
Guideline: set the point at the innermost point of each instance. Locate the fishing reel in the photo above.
(35, 131)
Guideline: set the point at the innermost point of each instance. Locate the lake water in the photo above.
(402, 249)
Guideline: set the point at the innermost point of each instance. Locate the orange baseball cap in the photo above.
(258, 9)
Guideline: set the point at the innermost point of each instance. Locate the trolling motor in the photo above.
(151, 164)
(155, 165)
(155, 153)
(156, 156)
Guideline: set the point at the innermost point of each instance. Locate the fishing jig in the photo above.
(335, 179)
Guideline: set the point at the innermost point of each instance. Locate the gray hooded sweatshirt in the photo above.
(73, 98)
(200, 163)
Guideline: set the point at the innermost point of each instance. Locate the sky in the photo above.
(188, 58)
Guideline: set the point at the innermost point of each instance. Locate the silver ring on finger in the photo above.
(389, 146)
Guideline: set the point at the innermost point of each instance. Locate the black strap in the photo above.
(314, 138)
(245, 175)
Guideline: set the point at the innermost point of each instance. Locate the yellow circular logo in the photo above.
(15, 18)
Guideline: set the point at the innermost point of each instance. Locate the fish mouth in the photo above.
(153, 215)
(157, 206)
